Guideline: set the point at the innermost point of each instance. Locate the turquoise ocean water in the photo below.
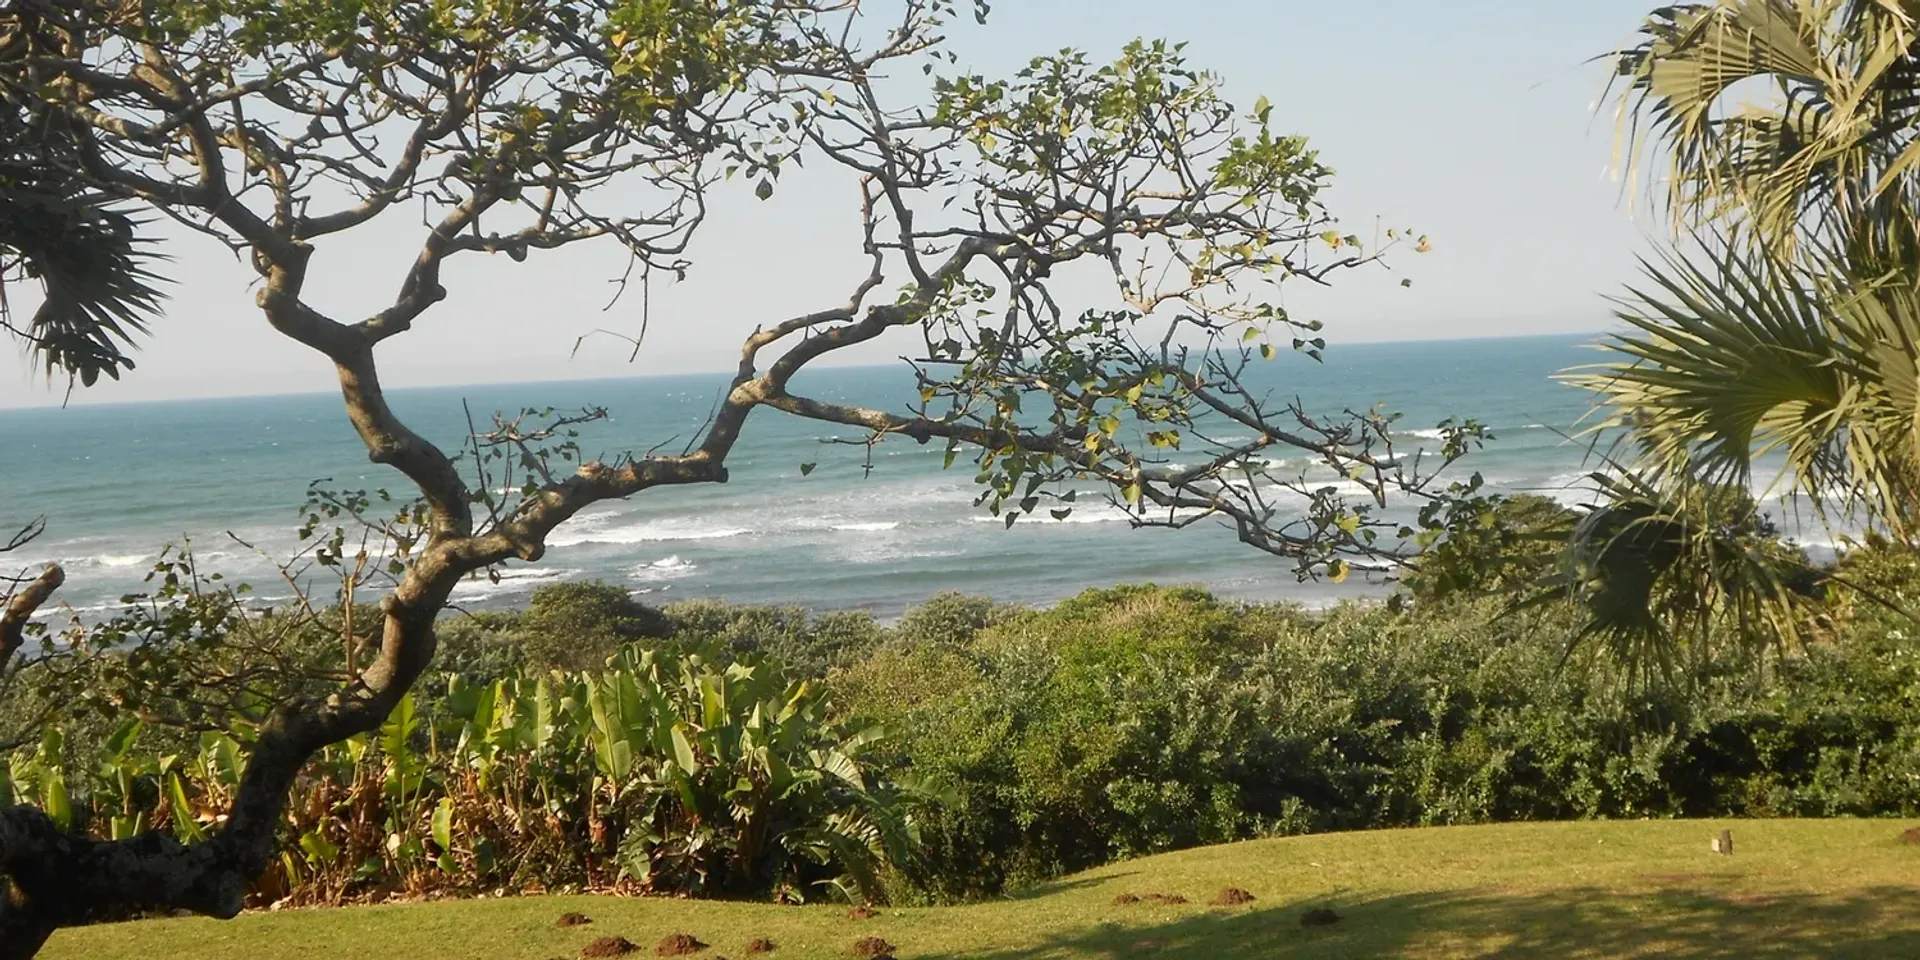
(116, 482)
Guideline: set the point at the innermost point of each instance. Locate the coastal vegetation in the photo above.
(971, 750)
(1083, 258)
(1664, 652)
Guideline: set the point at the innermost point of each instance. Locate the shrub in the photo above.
(663, 774)
(1135, 720)
(579, 626)
(808, 645)
(950, 619)
(1520, 542)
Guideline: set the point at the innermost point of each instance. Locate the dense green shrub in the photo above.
(1133, 720)
(810, 645)
(579, 626)
(950, 619)
(1519, 543)
(1121, 722)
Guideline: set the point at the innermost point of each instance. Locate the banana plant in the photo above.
(669, 773)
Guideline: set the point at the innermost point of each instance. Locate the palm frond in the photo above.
(1732, 360)
(1661, 580)
(86, 253)
(1795, 118)
(98, 289)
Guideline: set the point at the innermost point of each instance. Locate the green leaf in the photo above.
(53, 798)
(683, 749)
(443, 825)
(318, 848)
(184, 825)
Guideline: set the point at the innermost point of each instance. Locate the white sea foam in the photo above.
(512, 581)
(1427, 434)
(874, 527)
(1079, 515)
(645, 533)
(1343, 488)
(667, 568)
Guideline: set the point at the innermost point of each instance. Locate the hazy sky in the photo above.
(1471, 120)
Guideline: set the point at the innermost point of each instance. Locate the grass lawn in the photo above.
(1806, 888)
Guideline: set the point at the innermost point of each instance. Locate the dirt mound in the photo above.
(1125, 900)
(872, 948)
(862, 913)
(1232, 897)
(1321, 917)
(760, 945)
(573, 920)
(1912, 836)
(678, 945)
(609, 947)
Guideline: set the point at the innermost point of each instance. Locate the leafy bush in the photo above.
(1020, 744)
(950, 619)
(807, 644)
(661, 774)
(579, 626)
(1134, 720)
(1518, 543)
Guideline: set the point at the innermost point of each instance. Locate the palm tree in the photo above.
(1790, 135)
(1782, 120)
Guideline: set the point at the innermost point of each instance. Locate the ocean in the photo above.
(117, 482)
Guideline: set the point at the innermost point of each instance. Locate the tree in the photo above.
(1791, 132)
(279, 128)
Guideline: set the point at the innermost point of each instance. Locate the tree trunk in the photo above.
(56, 879)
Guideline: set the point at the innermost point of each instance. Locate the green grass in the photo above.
(1793, 888)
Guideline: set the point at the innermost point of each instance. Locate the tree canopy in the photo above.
(280, 127)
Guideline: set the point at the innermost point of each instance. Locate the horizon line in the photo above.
(208, 398)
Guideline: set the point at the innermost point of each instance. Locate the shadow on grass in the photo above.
(1686, 917)
(1055, 887)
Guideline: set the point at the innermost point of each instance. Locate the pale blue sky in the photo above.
(1471, 120)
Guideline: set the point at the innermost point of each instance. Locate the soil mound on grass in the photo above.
(678, 945)
(609, 947)
(873, 948)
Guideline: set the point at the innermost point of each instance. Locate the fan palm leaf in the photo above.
(1728, 362)
(86, 254)
(97, 291)
(1794, 118)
